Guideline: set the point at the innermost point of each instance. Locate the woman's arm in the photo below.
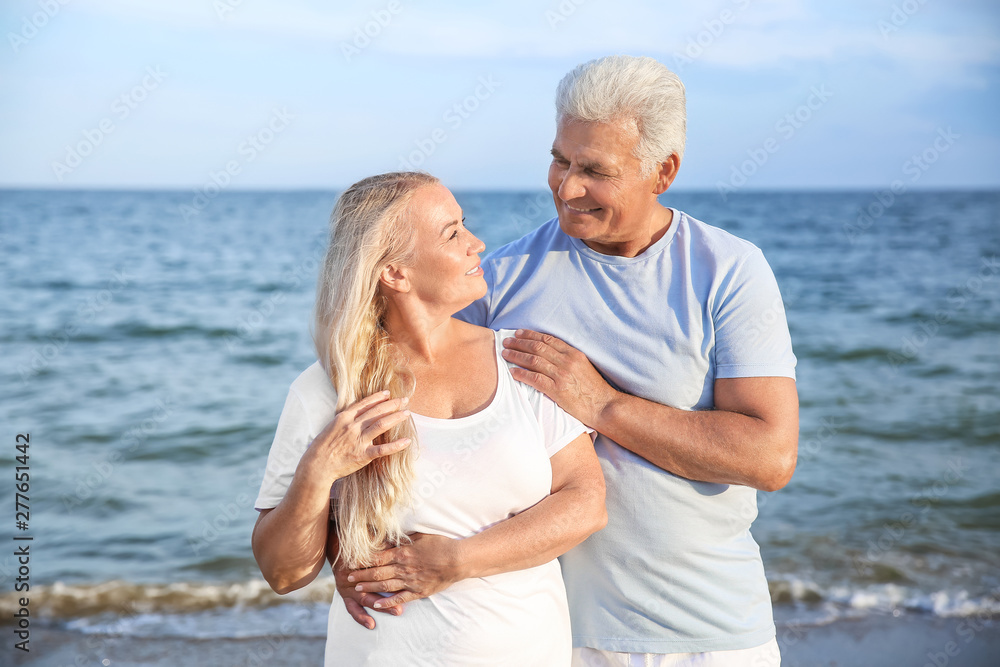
(289, 541)
(571, 513)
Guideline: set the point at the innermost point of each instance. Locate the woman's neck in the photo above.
(420, 335)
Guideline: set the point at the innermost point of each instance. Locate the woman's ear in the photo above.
(394, 278)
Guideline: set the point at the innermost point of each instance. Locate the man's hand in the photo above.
(412, 571)
(561, 372)
(356, 601)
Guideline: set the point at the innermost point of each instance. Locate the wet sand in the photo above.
(910, 641)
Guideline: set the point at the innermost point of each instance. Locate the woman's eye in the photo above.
(454, 235)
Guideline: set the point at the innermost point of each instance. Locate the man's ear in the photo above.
(666, 172)
(394, 278)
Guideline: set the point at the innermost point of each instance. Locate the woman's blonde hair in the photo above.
(368, 232)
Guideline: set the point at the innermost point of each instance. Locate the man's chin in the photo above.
(577, 227)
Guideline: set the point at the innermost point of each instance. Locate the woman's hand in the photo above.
(430, 564)
(345, 445)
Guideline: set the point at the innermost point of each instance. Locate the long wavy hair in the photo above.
(368, 232)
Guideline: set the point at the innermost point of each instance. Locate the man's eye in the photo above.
(454, 235)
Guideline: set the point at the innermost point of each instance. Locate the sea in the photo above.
(149, 339)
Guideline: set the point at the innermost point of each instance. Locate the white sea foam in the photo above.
(249, 608)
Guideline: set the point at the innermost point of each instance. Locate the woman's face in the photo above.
(444, 270)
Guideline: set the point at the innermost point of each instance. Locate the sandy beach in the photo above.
(874, 642)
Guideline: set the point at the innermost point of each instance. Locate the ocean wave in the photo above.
(843, 601)
(134, 604)
(124, 598)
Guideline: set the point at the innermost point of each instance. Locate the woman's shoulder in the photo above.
(314, 389)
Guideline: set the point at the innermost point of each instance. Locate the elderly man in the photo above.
(667, 336)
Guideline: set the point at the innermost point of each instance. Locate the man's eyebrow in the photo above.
(586, 164)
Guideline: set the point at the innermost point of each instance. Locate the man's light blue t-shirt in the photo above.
(676, 569)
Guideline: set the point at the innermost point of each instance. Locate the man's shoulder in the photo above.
(547, 236)
(709, 240)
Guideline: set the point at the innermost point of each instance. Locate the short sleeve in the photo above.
(291, 439)
(559, 428)
(751, 332)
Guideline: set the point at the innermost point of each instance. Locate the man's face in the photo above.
(597, 185)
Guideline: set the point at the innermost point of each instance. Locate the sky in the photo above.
(304, 94)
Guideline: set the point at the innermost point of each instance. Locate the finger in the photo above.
(341, 574)
(378, 451)
(527, 334)
(542, 383)
(387, 586)
(369, 599)
(398, 599)
(531, 362)
(372, 430)
(358, 613)
(366, 403)
(381, 409)
(378, 573)
(380, 559)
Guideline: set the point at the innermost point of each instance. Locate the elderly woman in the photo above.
(409, 424)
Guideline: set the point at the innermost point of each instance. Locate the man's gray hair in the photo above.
(630, 88)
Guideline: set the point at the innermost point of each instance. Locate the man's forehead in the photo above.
(610, 143)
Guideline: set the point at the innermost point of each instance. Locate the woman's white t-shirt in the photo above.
(471, 473)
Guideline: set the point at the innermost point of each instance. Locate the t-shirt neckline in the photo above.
(646, 254)
(475, 416)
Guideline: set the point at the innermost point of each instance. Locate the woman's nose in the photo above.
(475, 245)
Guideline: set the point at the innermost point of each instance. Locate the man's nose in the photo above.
(571, 186)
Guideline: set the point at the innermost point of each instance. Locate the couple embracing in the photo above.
(611, 389)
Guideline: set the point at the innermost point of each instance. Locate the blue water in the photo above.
(148, 356)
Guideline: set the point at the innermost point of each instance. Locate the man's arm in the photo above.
(750, 438)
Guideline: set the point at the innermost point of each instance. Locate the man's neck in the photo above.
(658, 226)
